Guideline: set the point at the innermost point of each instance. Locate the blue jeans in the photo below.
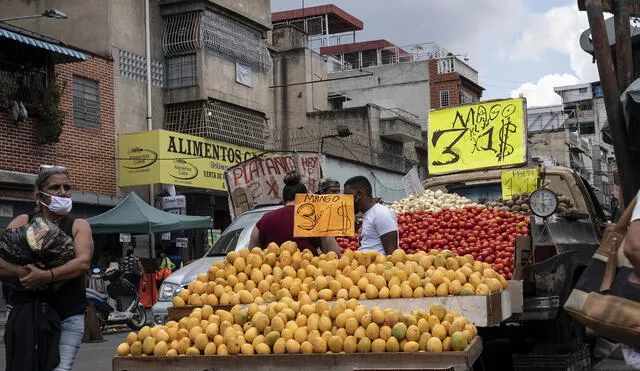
(71, 333)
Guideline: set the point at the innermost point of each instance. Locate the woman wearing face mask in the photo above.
(53, 202)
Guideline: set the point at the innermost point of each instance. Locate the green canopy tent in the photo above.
(134, 215)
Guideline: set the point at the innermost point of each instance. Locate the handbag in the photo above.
(604, 299)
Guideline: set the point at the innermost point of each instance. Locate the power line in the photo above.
(317, 81)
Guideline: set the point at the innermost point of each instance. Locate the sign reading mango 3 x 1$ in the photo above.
(323, 215)
(477, 136)
(161, 156)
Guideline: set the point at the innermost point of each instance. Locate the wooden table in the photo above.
(423, 361)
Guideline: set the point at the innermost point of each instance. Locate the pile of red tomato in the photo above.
(350, 243)
(487, 234)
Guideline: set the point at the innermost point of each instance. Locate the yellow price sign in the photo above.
(518, 181)
(323, 215)
(477, 136)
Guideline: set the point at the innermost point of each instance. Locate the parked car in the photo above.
(234, 238)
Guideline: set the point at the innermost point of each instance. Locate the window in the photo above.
(582, 90)
(586, 105)
(181, 71)
(218, 120)
(597, 91)
(467, 98)
(587, 128)
(86, 102)
(444, 98)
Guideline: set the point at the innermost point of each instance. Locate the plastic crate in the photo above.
(554, 357)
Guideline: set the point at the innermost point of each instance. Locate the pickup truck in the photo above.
(552, 259)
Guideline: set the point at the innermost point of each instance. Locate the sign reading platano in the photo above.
(477, 136)
(161, 156)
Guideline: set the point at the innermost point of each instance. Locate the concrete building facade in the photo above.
(589, 154)
(569, 135)
(400, 83)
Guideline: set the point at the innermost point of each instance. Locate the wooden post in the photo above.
(610, 87)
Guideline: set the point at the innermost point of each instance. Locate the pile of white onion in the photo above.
(431, 201)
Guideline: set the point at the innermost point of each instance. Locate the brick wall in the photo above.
(88, 153)
(453, 82)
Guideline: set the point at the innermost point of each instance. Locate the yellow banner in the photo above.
(518, 181)
(477, 136)
(323, 215)
(161, 156)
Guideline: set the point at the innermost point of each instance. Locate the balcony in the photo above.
(577, 117)
(400, 129)
(580, 143)
(453, 64)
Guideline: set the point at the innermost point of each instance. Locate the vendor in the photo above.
(328, 186)
(277, 225)
(379, 231)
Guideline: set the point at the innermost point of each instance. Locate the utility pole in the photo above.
(147, 44)
(614, 83)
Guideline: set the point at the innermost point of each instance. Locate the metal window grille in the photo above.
(218, 120)
(181, 71)
(181, 33)
(86, 102)
(444, 98)
(134, 66)
(231, 39)
(21, 86)
(467, 98)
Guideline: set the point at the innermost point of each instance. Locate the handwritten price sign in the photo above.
(518, 181)
(477, 136)
(323, 215)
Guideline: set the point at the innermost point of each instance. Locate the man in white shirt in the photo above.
(379, 231)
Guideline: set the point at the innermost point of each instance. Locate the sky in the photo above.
(517, 46)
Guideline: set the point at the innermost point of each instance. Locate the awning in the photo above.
(69, 55)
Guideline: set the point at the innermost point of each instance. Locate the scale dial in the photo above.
(543, 202)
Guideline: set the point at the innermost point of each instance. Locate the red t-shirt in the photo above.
(277, 226)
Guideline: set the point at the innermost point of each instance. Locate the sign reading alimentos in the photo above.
(161, 156)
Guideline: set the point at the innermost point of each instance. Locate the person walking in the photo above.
(277, 225)
(379, 230)
(132, 269)
(68, 302)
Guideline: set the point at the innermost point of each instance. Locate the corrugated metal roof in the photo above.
(75, 56)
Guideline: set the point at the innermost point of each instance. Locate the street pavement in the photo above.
(92, 356)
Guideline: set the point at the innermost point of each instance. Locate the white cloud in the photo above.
(541, 92)
(558, 30)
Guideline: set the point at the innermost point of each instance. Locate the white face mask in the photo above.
(58, 205)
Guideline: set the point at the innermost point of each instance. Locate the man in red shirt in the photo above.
(277, 225)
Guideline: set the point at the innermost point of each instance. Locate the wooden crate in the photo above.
(458, 361)
(481, 310)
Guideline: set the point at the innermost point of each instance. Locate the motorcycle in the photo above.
(116, 299)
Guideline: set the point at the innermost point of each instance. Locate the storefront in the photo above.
(195, 167)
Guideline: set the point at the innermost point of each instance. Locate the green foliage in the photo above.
(48, 117)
